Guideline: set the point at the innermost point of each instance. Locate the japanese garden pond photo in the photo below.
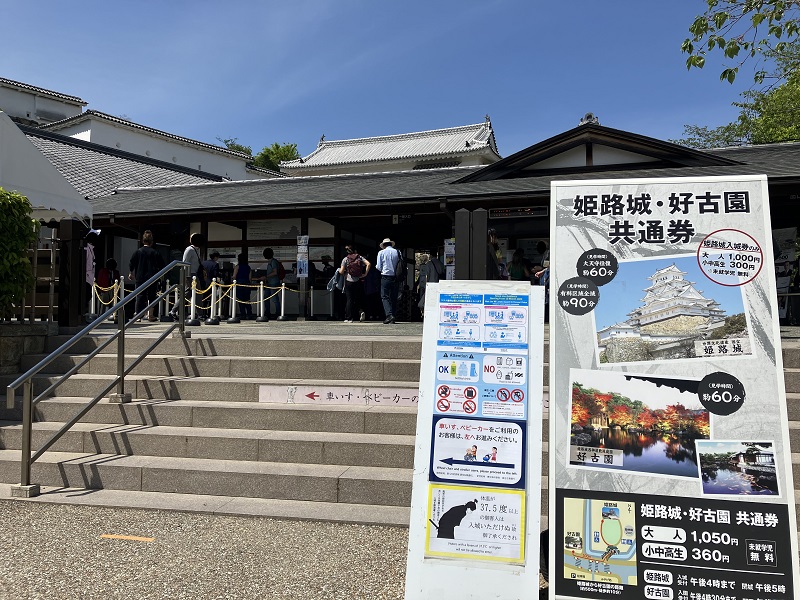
(636, 422)
(737, 468)
(662, 453)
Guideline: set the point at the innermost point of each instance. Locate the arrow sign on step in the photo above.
(476, 463)
(312, 395)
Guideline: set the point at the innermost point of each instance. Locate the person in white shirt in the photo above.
(388, 259)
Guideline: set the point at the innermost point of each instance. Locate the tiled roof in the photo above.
(444, 143)
(777, 161)
(96, 171)
(96, 114)
(42, 91)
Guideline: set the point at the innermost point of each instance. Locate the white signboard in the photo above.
(669, 450)
(475, 506)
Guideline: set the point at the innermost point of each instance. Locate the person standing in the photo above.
(191, 255)
(210, 271)
(241, 275)
(518, 270)
(145, 263)
(354, 267)
(272, 280)
(388, 262)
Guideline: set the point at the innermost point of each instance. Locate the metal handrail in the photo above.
(26, 380)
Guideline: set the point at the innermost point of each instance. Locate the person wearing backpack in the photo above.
(354, 267)
(273, 275)
(392, 267)
(145, 263)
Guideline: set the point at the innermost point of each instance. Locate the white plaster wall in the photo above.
(171, 151)
(25, 105)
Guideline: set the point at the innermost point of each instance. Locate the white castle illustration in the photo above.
(673, 310)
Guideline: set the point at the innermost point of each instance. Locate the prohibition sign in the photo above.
(443, 391)
(469, 407)
(503, 394)
(517, 395)
(443, 405)
(470, 393)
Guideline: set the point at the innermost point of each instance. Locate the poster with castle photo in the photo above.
(666, 372)
(666, 309)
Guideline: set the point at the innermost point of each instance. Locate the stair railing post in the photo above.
(120, 397)
(27, 427)
(330, 298)
(25, 489)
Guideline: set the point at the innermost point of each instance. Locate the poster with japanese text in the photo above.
(669, 445)
(475, 506)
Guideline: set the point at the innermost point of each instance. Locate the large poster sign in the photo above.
(477, 469)
(669, 448)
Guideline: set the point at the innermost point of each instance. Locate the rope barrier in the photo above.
(218, 293)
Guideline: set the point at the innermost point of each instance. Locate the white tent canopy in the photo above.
(25, 170)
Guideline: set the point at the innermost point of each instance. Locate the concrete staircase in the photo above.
(211, 418)
(196, 425)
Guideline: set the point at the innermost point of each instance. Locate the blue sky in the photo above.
(291, 71)
(625, 291)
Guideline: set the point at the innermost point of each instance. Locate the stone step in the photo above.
(396, 420)
(791, 354)
(295, 481)
(402, 347)
(261, 416)
(324, 448)
(792, 379)
(240, 389)
(342, 369)
(335, 512)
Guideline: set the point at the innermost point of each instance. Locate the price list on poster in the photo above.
(471, 496)
(667, 379)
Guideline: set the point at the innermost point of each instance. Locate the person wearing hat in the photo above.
(388, 260)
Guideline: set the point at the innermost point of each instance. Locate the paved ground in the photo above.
(54, 552)
(58, 552)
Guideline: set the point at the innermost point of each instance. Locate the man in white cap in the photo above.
(388, 259)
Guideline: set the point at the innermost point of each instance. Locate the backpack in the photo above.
(281, 270)
(355, 266)
(401, 270)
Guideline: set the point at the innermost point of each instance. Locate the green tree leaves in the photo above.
(735, 28)
(17, 233)
(270, 157)
(765, 117)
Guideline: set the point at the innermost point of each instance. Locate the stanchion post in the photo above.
(263, 315)
(311, 316)
(164, 317)
(234, 306)
(213, 319)
(330, 298)
(193, 320)
(283, 303)
(92, 303)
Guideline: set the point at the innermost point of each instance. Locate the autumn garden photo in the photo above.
(636, 423)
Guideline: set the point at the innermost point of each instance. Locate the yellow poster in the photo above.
(476, 523)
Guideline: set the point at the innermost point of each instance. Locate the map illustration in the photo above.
(600, 541)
